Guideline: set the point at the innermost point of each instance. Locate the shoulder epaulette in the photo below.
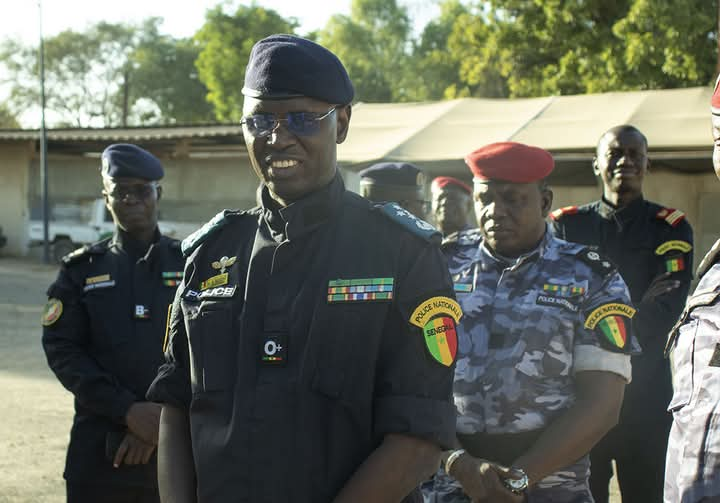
(709, 260)
(467, 237)
(598, 263)
(85, 251)
(409, 221)
(567, 210)
(190, 243)
(672, 216)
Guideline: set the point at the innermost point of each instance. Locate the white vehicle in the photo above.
(75, 225)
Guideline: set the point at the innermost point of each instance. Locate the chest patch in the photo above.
(360, 290)
(220, 292)
(172, 278)
(215, 281)
(551, 300)
(563, 290)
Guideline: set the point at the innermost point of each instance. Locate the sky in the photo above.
(20, 18)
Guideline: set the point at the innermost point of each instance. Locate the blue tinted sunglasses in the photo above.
(298, 123)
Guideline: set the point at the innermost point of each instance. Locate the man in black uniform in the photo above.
(312, 341)
(652, 247)
(399, 182)
(103, 336)
(451, 204)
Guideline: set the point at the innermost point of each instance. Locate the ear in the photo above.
(596, 169)
(546, 199)
(343, 122)
(158, 191)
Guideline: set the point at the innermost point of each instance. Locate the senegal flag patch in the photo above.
(52, 312)
(675, 264)
(438, 317)
(611, 323)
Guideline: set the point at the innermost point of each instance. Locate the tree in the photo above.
(7, 118)
(373, 43)
(225, 42)
(435, 68)
(108, 75)
(542, 47)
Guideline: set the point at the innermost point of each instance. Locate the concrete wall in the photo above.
(697, 195)
(14, 164)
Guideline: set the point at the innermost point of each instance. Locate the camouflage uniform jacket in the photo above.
(525, 334)
(693, 453)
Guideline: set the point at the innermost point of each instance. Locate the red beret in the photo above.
(443, 181)
(510, 162)
(715, 101)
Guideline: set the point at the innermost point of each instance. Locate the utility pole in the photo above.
(43, 149)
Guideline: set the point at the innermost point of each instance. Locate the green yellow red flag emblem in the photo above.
(437, 317)
(52, 312)
(611, 322)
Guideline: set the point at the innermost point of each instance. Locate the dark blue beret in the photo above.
(399, 174)
(286, 66)
(130, 161)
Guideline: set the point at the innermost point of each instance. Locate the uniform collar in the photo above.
(487, 258)
(304, 215)
(134, 248)
(622, 214)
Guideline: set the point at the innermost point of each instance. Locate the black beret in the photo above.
(130, 161)
(286, 66)
(398, 174)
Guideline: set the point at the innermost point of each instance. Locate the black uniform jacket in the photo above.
(106, 345)
(289, 389)
(644, 240)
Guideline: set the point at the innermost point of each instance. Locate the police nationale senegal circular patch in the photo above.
(53, 311)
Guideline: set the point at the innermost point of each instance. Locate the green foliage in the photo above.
(373, 43)
(226, 41)
(108, 75)
(7, 118)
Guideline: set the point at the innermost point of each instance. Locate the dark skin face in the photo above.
(293, 166)
(451, 207)
(511, 216)
(408, 199)
(621, 164)
(132, 202)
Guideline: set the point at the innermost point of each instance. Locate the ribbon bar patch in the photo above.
(359, 290)
(172, 278)
(564, 290)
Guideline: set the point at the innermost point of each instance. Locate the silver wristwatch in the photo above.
(517, 486)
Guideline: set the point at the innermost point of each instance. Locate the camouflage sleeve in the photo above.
(604, 338)
(172, 384)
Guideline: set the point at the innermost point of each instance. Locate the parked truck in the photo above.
(75, 225)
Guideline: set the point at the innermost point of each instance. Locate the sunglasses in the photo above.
(138, 192)
(298, 123)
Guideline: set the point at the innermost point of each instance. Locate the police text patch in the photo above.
(611, 323)
(549, 300)
(437, 317)
(675, 244)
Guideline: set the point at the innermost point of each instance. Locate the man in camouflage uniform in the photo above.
(693, 452)
(544, 345)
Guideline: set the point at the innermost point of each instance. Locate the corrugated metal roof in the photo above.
(124, 134)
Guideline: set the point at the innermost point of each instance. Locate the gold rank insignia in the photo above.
(223, 263)
(52, 312)
(217, 280)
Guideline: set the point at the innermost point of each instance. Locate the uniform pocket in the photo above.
(547, 345)
(212, 346)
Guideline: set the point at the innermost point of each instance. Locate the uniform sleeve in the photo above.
(172, 384)
(413, 386)
(604, 338)
(66, 341)
(656, 316)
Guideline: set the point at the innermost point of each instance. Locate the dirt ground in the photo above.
(36, 410)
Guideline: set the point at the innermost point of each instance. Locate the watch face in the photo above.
(517, 485)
